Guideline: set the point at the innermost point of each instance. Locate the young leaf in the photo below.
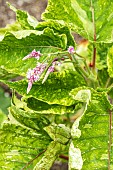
(49, 157)
(59, 133)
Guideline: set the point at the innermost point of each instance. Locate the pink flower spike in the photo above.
(71, 49)
(36, 54)
(30, 83)
(33, 54)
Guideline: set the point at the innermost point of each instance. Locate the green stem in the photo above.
(84, 61)
(89, 77)
(79, 55)
(78, 67)
(107, 82)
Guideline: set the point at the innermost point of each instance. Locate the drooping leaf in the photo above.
(79, 14)
(49, 92)
(95, 139)
(49, 157)
(20, 145)
(28, 22)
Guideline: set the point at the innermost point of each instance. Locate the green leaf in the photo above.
(45, 108)
(16, 45)
(104, 79)
(24, 19)
(20, 145)
(23, 117)
(65, 11)
(101, 57)
(59, 133)
(95, 139)
(49, 92)
(9, 27)
(2, 118)
(83, 96)
(49, 157)
(6, 75)
(5, 101)
(58, 27)
(78, 14)
(101, 54)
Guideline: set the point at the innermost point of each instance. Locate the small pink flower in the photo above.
(71, 49)
(54, 63)
(33, 54)
(51, 69)
(36, 54)
(30, 73)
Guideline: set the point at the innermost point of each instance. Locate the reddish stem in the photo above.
(94, 26)
(64, 157)
(32, 160)
(94, 58)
